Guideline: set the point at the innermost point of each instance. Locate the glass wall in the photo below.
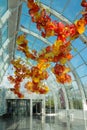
(4, 31)
(18, 107)
(3, 37)
(49, 104)
(3, 7)
(2, 101)
(74, 96)
(62, 99)
(79, 63)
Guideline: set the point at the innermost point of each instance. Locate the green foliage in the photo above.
(50, 103)
(75, 104)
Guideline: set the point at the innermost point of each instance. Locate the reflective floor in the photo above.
(40, 123)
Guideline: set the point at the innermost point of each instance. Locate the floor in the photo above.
(40, 123)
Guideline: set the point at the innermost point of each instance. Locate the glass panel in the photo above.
(1, 59)
(33, 28)
(18, 107)
(1, 66)
(0, 39)
(62, 99)
(47, 2)
(6, 52)
(58, 5)
(6, 66)
(82, 70)
(24, 9)
(2, 72)
(84, 82)
(73, 52)
(25, 21)
(78, 44)
(77, 104)
(72, 76)
(19, 54)
(3, 6)
(74, 84)
(84, 54)
(4, 36)
(72, 10)
(4, 33)
(85, 31)
(76, 61)
(50, 104)
(2, 102)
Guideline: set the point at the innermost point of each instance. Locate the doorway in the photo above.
(18, 107)
(37, 107)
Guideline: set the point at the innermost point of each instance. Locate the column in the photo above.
(31, 107)
(43, 106)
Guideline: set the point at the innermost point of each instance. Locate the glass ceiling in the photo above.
(67, 11)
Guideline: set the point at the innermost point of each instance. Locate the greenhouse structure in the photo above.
(43, 64)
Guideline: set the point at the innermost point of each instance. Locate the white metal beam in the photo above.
(35, 35)
(7, 15)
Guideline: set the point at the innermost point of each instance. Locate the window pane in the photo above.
(84, 54)
(6, 52)
(4, 33)
(76, 61)
(1, 59)
(82, 70)
(78, 44)
(3, 6)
